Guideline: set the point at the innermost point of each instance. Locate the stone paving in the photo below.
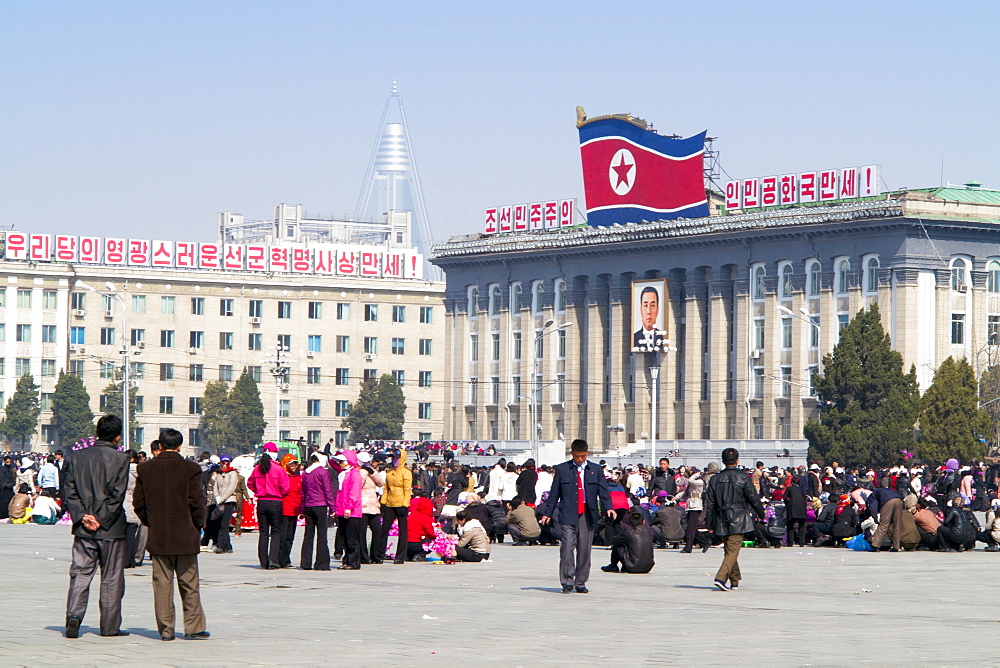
(795, 607)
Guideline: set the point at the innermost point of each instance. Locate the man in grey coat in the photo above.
(728, 500)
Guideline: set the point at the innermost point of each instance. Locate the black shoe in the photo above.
(705, 549)
(200, 635)
(345, 567)
(567, 589)
(685, 551)
(610, 568)
(273, 566)
(399, 561)
(167, 637)
(337, 556)
(116, 633)
(581, 589)
(73, 627)
(306, 568)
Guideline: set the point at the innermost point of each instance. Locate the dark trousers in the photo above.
(691, 531)
(369, 548)
(135, 544)
(927, 539)
(317, 523)
(288, 524)
(413, 550)
(796, 532)
(574, 552)
(465, 554)
(949, 538)
(353, 528)
(338, 539)
(185, 567)
(211, 531)
(268, 531)
(224, 541)
(87, 554)
(389, 513)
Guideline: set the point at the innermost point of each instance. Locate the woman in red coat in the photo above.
(420, 527)
(291, 510)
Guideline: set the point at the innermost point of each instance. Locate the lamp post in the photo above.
(280, 366)
(659, 345)
(536, 384)
(125, 352)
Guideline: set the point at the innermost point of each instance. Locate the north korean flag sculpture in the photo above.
(631, 174)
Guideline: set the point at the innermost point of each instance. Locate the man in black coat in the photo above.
(795, 513)
(663, 480)
(96, 479)
(632, 547)
(728, 500)
(577, 514)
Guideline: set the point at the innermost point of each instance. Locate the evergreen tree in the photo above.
(23, 409)
(71, 413)
(113, 406)
(247, 413)
(989, 395)
(951, 422)
(216, 415)
(868, 406)
(379, 412)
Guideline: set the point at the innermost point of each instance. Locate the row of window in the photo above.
(23, 333)
(515, 298)
(814, 277)
(515, 346)
(168, 306)
(49, 299)
(514, 396)
(314, 407)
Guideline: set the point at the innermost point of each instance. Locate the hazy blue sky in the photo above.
(147, 118)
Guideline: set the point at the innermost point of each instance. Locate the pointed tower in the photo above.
(392, 183)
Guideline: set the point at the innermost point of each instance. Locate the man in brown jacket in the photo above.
(169, 498)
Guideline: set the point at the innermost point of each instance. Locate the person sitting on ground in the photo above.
(991, 532)
(473, 543)
(632, 547)
(420, 527)
(498, 520)
(927, 524)
(960, 527)
(667, 522)
(19, 509)
(521, 523)
(45, 509)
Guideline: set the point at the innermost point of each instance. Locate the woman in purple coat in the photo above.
(317, 500)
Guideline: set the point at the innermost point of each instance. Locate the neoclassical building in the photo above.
(754, 302)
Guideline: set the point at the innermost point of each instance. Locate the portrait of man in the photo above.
(648, 315)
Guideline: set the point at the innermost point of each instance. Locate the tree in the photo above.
(379, 412)
(868, 406)
(216, 415)
(113, 403)
(247, 413)
(951, 422)
(23, 409)
(71, 413)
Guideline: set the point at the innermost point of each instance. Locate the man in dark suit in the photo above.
(169, 498)
(577, 514)
(96, 479)
(646, 337)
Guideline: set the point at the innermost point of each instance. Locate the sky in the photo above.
(146, 119)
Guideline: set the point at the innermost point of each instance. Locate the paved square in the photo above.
(812, 606)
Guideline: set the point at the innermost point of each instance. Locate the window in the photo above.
(342, 377)
(560, 387)
(399, 314)
(560, 296)
(343, 311)
(758, 428)
(108, 302)
(786, 381)
(3, 328)
(424, 347)
(472, 308)
(426, 315)
(494, 304)
(758, 282)
(785, 281)
(424, 379)
(78, 300)
(473, 390)
(137, 337)
(194, 405)
(473, 347)
(494, 389)
(138, 303)
(515, 299)
(957, 328)
(166, 405)
(284, 310)
(343, 343)
(196, 339)
(75, 367)
(842, 320)
(226, 373)
(24, 333)
(561, 344)
(284, 407)
(843, 276)
(285, 341)
(315, 310)
(49, 299)
(371, 312)
(254, 342)
(24, 298)
(539, 345)
(166, 338)
(137, 370)
(312, 407)
(371, 345)
(166, 371)
(226, 307)
(993, 277)
(993, 330)
(515, 388)
(22, 366)
(48, 367)
(398, 376)
(758, 333)
(814, 279)
(254, 373)
(811, 372)
(958, 281)
(871, 275)
(537, 297)
(814, 331)
(398, 346)
(197, 306)
(758, 382)
(48, 333)
(167, 305)
(495, 346)
(784, 428)
(340, 408)
(107, 370)
(314, 437)
(256, 308)
(107, 336)
(370, 374)
(516, 345)
(46, 405)
(196, 372)
(424, 410)
(104, 403)
(312, 375)
(340, 438)
(314, 343)
(786, 333)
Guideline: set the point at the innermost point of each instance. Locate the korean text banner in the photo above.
(631, 174)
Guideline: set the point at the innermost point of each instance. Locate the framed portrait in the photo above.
(649, 315)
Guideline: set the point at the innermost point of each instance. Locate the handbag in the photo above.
(216, 513)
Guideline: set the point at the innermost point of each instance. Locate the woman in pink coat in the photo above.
(349, 512)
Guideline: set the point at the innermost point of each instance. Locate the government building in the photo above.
(753, 301)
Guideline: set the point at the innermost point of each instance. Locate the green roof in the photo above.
(963, 194)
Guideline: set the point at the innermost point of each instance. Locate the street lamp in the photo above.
(662, 346)
(536, 384)
(280, 365)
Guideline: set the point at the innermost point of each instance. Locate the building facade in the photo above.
(755, 301)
